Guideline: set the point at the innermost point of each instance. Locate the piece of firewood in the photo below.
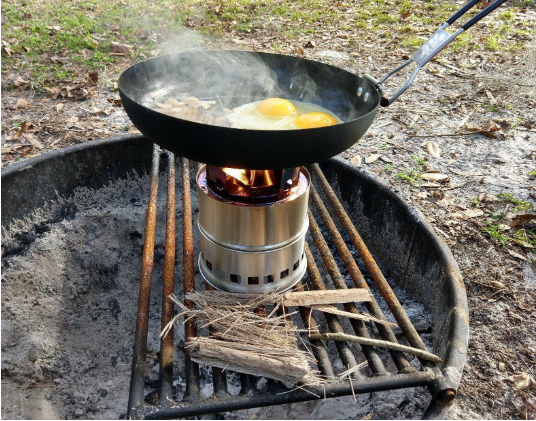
(326, 308)
(343, 337)
(337, 296)
(248, 359)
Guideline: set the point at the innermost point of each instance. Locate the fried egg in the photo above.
(281, 114)
(313, 120)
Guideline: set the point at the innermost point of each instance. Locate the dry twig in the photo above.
(425, 355)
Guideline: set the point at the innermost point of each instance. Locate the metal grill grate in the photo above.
(192, 404)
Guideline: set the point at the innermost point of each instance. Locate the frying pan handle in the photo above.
(432, 47)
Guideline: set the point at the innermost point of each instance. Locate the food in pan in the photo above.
(269, 114)
(314, 119)
(280, 114)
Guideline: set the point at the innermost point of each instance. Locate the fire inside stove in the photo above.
(253, 225)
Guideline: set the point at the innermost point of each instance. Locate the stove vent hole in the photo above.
(235, 278)
(269, 279)
(220, 273)
(253, 280)
(284, 274)
(209, 265)
(296, 266)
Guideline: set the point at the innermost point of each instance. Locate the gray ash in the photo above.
(70, 283)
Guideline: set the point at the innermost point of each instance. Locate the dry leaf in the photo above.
(496, 284)
(116, 102)
(300, 52)
(19, 82)
(372, 158)
(72, 120)
(120, 48)
(524, 350)
(93, 75)
(356, 160)
(310, 44)
(488, 198)
(520, 220)
(478, 130)
(431, 185)
(433, 149)
(54, 91)
(517, 255)
(492, 99)
(5, 47)
(491, 126)
(521, 381)
(32, 140)
(22, 104)
(59, 107)
(466, 214)
(432, 176)
(386, 159)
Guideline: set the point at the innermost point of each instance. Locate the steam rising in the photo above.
(235, 78)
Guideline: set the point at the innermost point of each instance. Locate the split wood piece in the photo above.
(343, 337)
(233, 357)
(339, 296)
(365, 317)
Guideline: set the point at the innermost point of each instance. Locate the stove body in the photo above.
(252, 226)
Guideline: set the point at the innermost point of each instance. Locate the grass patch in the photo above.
(83, 31)
(493, 231)
(519, 205)
(413, 174)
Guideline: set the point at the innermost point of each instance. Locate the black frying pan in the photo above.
(234, 78)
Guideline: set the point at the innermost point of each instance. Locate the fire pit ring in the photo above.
(398, 235)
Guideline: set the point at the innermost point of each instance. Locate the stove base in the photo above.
(222, 281)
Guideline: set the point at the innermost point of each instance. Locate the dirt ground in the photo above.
(475, 104)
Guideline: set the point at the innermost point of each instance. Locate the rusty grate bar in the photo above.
(374, 360)
(137, 380)
(346, 354)
(166, 343)
(317, 347)
(249, 397)
(190, 327)
(358, 279)
(219, 378)
(385, 290)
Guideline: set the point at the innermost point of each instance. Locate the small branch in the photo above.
(343, 337)
(442, 135)
(334, 310)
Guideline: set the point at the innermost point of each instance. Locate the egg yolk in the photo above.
(276, 107)
(313, 120)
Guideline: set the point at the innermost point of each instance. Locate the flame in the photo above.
(241, 175)
(252, 178)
